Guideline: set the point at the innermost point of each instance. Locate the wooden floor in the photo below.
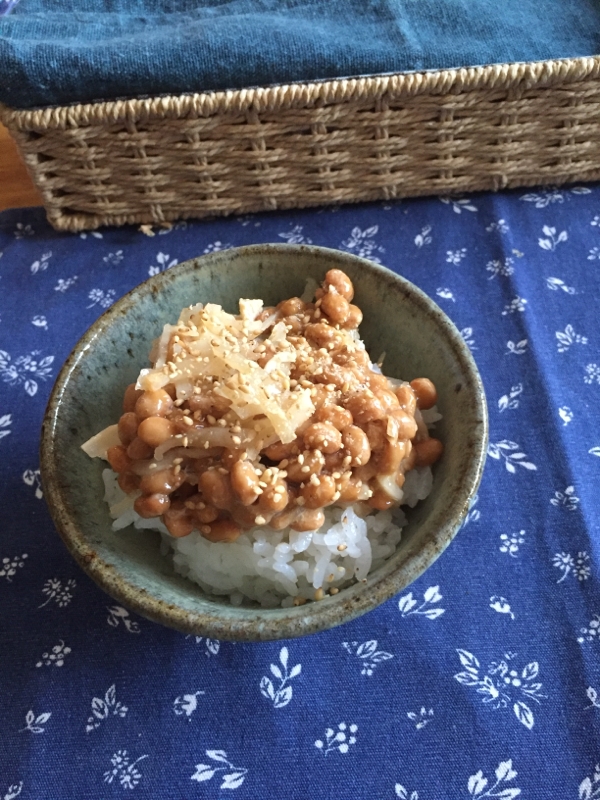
(16, 188)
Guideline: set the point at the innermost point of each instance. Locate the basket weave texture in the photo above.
(160, 159)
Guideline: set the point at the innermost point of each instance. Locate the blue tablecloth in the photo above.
(480, 680)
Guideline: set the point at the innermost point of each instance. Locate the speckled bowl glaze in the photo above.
(418, 339)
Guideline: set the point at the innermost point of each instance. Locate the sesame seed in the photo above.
(301, 459)
(177, 469)
(305, 469)
(330, 577)
(334, 590)
(200, 505)
(342, 547)
(284, 463)
(262, 484)
(336, 476)
(177, 461)
(236, 440)
(188, 421)
(153, 466)
(260, 520)
(319, 594)
(221, 423)
(211, 420)
(178, 402)
(336, 496)
(314, 480)
(300, 501)
(185, 441)
(299, 601)
(222, 471)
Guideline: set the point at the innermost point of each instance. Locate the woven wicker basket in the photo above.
(160, 159)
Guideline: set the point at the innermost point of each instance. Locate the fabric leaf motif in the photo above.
(33, 723)
(231, 776)
(409, 606)
(524, 714)
(25, 370)
(233, 780)
(104, 707)
(505, 451)
(368, 653)
(266, 688)
(592, 696)
(5, 422)
(477, 783)
(281, 695)
(510, 400)
(203, 773)
(119, 614)
(554, 284)
(552, 239)
(517, 348)
(501, 684)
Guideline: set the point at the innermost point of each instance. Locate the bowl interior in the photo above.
(418, 340)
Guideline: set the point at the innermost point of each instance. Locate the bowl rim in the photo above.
(243, 623)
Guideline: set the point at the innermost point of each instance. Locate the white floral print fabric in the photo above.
(480, 680)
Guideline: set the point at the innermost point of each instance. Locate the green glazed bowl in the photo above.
(418, 339)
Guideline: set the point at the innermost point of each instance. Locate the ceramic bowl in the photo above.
(399, 319)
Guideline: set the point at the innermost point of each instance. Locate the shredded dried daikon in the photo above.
(214, 352)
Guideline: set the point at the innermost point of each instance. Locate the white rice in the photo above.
(274, 567)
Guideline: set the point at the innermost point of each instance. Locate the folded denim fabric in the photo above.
(57, 52)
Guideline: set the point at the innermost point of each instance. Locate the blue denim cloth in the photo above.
(56, 52)
(487, 668)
